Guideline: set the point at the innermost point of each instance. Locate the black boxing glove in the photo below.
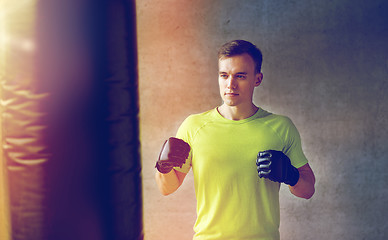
(276, 166)
(174, 153)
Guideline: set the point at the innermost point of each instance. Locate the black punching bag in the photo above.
(117, 105)
(69, 120)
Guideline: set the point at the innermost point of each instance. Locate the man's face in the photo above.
(237, 79)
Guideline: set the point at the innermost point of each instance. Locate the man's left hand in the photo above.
(276, 166)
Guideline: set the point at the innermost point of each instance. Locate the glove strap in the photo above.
(162, 169)
(292, 176)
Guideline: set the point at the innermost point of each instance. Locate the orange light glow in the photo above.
(16, 60)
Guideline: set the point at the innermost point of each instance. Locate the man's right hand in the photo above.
(173, 154)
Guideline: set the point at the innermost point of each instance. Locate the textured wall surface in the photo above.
(325, 66)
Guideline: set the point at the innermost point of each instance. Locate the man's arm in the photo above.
(174, 153)
(169, 182)
(304, 188)
(276, 166)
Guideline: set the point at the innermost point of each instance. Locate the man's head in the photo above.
(239, 66)
(239, 47)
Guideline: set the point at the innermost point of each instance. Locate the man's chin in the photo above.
(230, 103)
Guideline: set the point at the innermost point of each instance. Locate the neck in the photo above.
(237, 113)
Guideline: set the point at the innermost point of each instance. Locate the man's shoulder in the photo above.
(200, 118)
(277, 121)
(279, 118)
(193, 123)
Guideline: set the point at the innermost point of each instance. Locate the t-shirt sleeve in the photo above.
(184, 134)
(293, 145)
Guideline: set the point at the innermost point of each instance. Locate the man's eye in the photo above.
(224, 76)
(241, 76)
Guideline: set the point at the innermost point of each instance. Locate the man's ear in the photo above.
(258, 79)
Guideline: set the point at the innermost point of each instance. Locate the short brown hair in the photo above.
(238, 47)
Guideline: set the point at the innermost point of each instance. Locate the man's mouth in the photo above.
(231, 94)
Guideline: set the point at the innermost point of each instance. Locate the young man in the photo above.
(239, 154)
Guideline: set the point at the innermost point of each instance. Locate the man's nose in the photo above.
(231, 82)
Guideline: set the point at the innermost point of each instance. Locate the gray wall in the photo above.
(325, 66)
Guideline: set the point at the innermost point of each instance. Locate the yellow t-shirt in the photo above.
(233, 203)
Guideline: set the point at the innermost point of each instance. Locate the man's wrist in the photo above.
(163, 169)
(293, 176)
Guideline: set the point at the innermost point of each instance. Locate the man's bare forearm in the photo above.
(168, 183)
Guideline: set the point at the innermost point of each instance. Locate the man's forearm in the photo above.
(305, 187)
(167, 183)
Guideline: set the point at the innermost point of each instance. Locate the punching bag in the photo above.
(120, 142)
(70, 145)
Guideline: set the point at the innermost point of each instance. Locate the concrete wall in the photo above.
(325, 66)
